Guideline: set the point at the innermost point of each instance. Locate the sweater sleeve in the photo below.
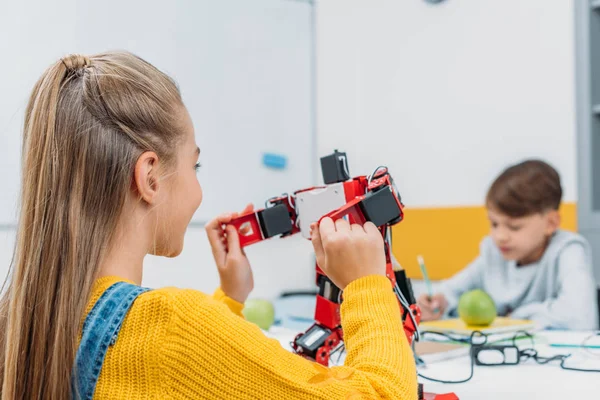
(210, 353)
(235, 306)
(574, 305)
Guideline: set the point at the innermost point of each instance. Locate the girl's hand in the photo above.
(234, 268)
(348, 252)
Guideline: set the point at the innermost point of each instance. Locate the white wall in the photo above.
(36, 34)
(278, 264)
(281, 264)
(447, 95)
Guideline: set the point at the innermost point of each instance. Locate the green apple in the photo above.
(260, 312)
(476, 308)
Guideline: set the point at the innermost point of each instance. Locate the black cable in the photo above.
(460, 339)
(420, 375)
(472, 367)
(478, 340)
(562, 365)
(533, 354)
(524, 355)
(527, 354)
(522, 335)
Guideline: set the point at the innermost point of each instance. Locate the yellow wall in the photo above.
(448, 238)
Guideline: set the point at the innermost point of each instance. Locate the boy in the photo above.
(530, 268)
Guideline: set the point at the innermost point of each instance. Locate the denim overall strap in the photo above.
(100, 330)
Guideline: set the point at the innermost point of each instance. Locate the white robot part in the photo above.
(313, 204)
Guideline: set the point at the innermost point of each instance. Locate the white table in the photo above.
(523, 381)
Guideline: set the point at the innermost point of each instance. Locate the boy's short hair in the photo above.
(527, 188)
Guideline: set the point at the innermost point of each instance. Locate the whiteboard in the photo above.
(245, 69)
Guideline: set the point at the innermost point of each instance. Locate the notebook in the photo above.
(456, 326)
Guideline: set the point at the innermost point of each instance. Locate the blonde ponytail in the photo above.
(87, 122)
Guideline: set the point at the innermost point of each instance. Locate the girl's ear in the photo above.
(145, 179)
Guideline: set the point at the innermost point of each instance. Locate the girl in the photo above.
(109, 162)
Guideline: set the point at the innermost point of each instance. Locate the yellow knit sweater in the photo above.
(183, 344)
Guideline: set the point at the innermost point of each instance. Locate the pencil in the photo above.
(425, 275)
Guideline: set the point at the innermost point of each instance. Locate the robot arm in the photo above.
(279, 218)
(374, 198)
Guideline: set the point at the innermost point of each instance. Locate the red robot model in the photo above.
(372, 198)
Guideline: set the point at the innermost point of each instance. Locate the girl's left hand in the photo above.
(234, 268)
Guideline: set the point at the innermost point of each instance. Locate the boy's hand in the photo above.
(433, 307)
(234, 268)
(347, 252)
